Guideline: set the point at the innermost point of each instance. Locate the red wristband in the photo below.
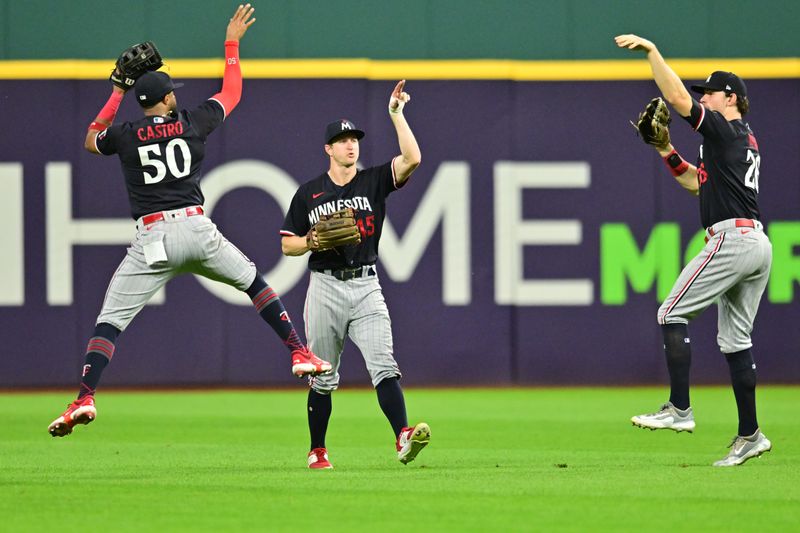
(676, 163)
(231, 43)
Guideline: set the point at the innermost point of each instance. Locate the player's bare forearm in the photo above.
(293, 245)
(668, 82)
(239, 23)
(688, 180)
(410, 156)
(89, 143)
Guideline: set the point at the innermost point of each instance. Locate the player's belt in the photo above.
(730, 224)
(344, 274)
(168, 215)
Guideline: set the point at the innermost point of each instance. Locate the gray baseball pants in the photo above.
(336, 309)
(731, 270)
(176, 245)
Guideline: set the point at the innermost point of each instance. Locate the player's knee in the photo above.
(377, 376)
(662, 313)
(323, 384)
(729, 345)
(667, 316)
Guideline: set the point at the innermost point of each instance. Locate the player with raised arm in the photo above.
(733, 268)
(161, 156)
(344, 295)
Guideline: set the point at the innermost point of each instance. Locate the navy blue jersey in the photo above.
(727, 167)
(161, 157)
(366, 193)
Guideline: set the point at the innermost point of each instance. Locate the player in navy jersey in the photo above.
(733, 268)
(161, 155)
(344, 295)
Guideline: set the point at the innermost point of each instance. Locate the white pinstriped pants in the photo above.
(337, 309)
(731, 270)
(193, 245)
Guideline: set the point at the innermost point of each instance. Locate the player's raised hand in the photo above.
(240, 22)
(399, 98)
(634, 42)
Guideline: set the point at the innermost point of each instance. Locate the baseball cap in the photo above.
(152, 86)
(722, 81)
(335, 129)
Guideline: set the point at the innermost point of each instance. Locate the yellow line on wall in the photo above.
(372, 69)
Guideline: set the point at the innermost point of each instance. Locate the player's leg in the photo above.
(270, 308)
(216, 258)
(326, 317)
(99, 352)
(705, 277)
(737, 312)
(130, 288)
(371, 331)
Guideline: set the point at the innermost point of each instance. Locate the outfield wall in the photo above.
(532, 246)
(417, 29)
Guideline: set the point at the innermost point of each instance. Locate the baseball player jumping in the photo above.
(733, 268)
(344, 295)
(161, 156)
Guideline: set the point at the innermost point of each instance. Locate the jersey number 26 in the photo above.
(751, 177)
(172, 162)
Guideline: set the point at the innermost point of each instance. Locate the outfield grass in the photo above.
(499, 460)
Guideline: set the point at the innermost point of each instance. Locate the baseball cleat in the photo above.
(668, 417)
(305, 363)
(318, 459)
(744, 448)
(411, 441)
(81, 411)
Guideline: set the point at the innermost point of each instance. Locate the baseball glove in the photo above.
(336, 229)
(134, 62)
(653, 124)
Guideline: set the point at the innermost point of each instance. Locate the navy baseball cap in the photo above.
(722, 81)
(341, 127)
(151, 87)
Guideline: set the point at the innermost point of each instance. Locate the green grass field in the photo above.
(499, 460)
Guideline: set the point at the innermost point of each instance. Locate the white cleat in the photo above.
(668, 417)
(411, 441)
(744, 448)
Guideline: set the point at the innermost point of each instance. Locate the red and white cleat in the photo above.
(305, 363)
(80, 411)
(411, 441)
(318, 459)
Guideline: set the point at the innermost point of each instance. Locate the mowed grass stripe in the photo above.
(499, 460)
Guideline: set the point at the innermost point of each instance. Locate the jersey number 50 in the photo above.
(172, 163)
(751, 178)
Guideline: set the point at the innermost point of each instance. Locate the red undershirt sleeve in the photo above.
(231, 91)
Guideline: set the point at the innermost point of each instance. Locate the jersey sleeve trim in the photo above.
(287, 233)
(100, 134)
(224, 111)
(99, 151)
(700, 119)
